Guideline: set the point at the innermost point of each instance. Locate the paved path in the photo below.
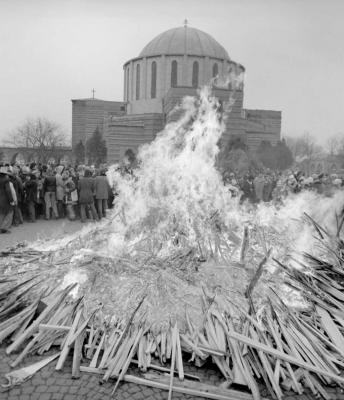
(38, 230)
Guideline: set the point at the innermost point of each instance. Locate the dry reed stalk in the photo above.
(77, 354)
(109, 343)
(66, 348)
(173, 359)
(277, 340)
(129, 358)
(244, 245)
(31, 329)
(116, 362)
(179, 357)
(93, 363)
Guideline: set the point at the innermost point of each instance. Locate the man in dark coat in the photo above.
(49, 190)
(86, 188)
(248, 190)
(6, 202)
(30, 187)
(18, 187)
(102, 187)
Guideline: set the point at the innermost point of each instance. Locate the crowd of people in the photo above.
(267, 186)
(39, 191)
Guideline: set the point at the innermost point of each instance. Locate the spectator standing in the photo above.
(259, 186)
(248, 190)
(69, 201)
(59, 190)
(6, 202)
(102, 188)
(86, 187)
(30, 188)
(18, 187)
(49, 190)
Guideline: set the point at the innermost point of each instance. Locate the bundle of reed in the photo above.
(285, 347)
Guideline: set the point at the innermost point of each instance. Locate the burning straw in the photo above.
(171, 275)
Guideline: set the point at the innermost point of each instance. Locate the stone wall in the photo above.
(130, 132)
(25, 155)
(88, 114)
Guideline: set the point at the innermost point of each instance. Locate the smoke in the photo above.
(177, 187)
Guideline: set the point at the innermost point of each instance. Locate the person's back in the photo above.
(49, 184)
(86, 187)
(101, 187)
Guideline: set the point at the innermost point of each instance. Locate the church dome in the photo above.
(185, 40)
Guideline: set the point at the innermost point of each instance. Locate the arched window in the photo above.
(215, 70)
(128, 84)
(195, 70)
(137, 81)
(174, 74)
(153, 80)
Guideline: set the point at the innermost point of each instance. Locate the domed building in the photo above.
(172, 65)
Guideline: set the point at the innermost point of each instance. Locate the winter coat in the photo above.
(59, 187)
(86, 187)
(248, 191)
(31, 190)
(259, 187)
(69, 188)
(5, 194)
(49, 184)
(102, 187)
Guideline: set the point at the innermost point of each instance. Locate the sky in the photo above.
(55, 51)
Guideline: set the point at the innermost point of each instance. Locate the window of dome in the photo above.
(153, 80)
(128, 84)
(174, 74)
(195, 71)
(137, 81)
(215, 70)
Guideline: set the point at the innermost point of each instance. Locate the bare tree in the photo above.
(304, 147)
(332, 144)
(40, 134)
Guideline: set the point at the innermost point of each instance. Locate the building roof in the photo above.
(184, 40)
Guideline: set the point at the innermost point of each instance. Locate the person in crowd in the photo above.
(7, 201)
(49, 190)
(40, 204)
(30, 190)
(248, 192)
(59, 191)
(18, 187)
(86, 188)
(258, 183)
(102, 187)
(69, 196)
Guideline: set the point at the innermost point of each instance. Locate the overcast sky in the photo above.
(55, 51)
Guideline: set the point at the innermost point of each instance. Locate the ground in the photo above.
(49, 384)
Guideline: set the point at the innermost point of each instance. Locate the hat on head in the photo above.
(4, 170)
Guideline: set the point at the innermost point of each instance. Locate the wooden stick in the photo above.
(244, 245)
(130, 356)
(77, 356)
(174, 343)
(66, 347)
(31, 329)
(206, 391)
(257, 275)
(179, 358)
(93, 363)
(283, 356)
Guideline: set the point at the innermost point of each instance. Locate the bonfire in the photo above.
(180, 272)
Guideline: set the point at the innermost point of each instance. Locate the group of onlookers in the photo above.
(41, 191)
(266, 186)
